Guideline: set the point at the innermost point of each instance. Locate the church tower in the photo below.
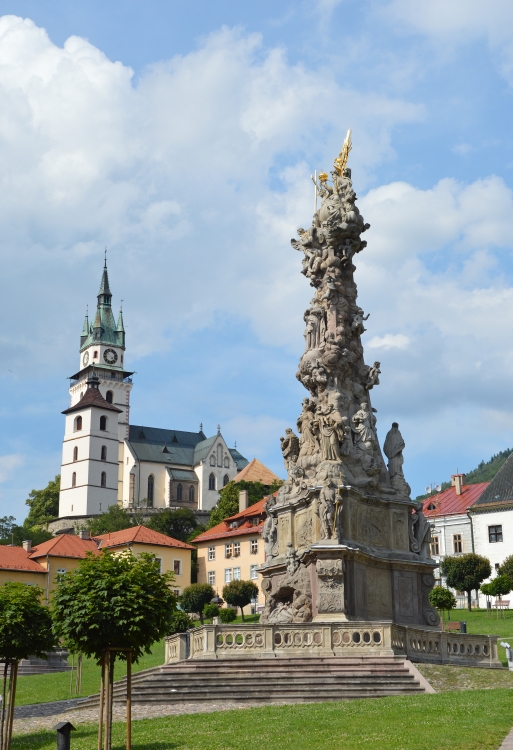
(100, 404)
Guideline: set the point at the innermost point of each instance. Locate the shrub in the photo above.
(180, 622)
(227, 615)
(210, 611)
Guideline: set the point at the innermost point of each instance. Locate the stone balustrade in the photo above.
(333, 639)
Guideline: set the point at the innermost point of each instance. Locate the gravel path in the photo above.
(41, 720)
(45, 709)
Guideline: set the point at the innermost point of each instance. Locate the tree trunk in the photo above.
(102, 703)
(242, 613)
(12, 701)
(129, 700)
(108, 718)
(469, 600)
(4, 695)
(201, 617)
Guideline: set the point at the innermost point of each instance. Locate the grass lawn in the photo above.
(473, 720)
(41, 688)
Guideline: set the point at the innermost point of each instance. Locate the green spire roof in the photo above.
(104, 329)
(120, 326)
(85, 327)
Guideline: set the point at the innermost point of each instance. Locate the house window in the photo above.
(74, 479)
(226, 462)
(211, 553)
(236, 574)
(78, 423)
(75, 453)
(212, 460)
(104, 479)
(159, 560)
(151, 486)
(104, 452)
(176, 592)
(108, 397)
(211, 577)
(253, 572)
(179, 493)
(212, 482)
(61, 571)
(228, 575)
(228, 550)
(103, 423)
(494, 534)
(457, 545)
(435, 546)
(191, 494)
(226, 479)
(177, 567)
(236, 549)
(253, 546)
(131, 491)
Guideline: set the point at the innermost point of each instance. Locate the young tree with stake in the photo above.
(240, 594)
(466, 573)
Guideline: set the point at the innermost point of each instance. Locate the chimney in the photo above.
(243, 500)
(84, 534)
(27, 545)
(457, 481)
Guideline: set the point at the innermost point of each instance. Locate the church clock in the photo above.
(85, 359)
(110, 356)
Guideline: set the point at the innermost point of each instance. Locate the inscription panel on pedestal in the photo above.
(405, 594)
(283, 533)
(303, 528)
(360, 590)
(400, 530)
(372, 526)
(379, 593)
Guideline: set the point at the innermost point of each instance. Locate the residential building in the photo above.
(451, 524)
(16, 566)
(106, 460)
(255, 471)
(60, 555)
(234, 550)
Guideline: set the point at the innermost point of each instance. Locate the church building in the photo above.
(106, 460)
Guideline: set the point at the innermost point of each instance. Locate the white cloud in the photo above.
(9, 464)
(389, 341)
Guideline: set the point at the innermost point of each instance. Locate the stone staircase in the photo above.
(271, 680)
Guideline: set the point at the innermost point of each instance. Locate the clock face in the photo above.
(110, 356)
(85, 359)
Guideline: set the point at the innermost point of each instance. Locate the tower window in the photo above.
(108, 397)
(75, 453)
(212, 482)
(151, 487)
(226, 479)
(121, 359)
(74, 479)
(103, 423)
(191, 494)
(95, 355)
(104, 452)
(103, 481)
(179, 493)
(78, 424)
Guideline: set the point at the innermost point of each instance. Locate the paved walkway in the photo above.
(508, 742)
(36, 717)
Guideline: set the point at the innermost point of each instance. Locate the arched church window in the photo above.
(151, 488)
(179, 493)
(74, 479)
(104, 452)
(226, 479)
(103, 423)
(226, 462)
(191, 494)
(103, 479)
(212, 460)
(108, 397)
(212, 482)
(131, 489)
(219, 455)
(78, 423)
(75, 453)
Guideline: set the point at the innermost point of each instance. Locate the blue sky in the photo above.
(182, 136)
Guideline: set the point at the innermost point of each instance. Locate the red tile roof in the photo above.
(139, 535)
(255, 471)
(448, 503)
(92, 397)
(16, 558)
(246, 527)
(65, 545)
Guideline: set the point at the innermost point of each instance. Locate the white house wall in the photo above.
(496, 552)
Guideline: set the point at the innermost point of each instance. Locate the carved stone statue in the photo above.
(290, 448)
(269, 534)
(420, 533)
(373, 376)
(393, 450)
(331, 435)
(308, 442)
(292, 561)
(365, 436)
(326, 509)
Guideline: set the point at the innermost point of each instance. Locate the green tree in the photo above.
(499, 587)
(485, 588)
(240, 594)
(210, 611)
(442, 599)
(44, 504)
(11, 533)
(25, 630)
(228, 504)
(115, 518)
(227, 615)
(179, 524)
(180, 622)
(506, 569)
(466, 572)
(113, 601)
(195, 596)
